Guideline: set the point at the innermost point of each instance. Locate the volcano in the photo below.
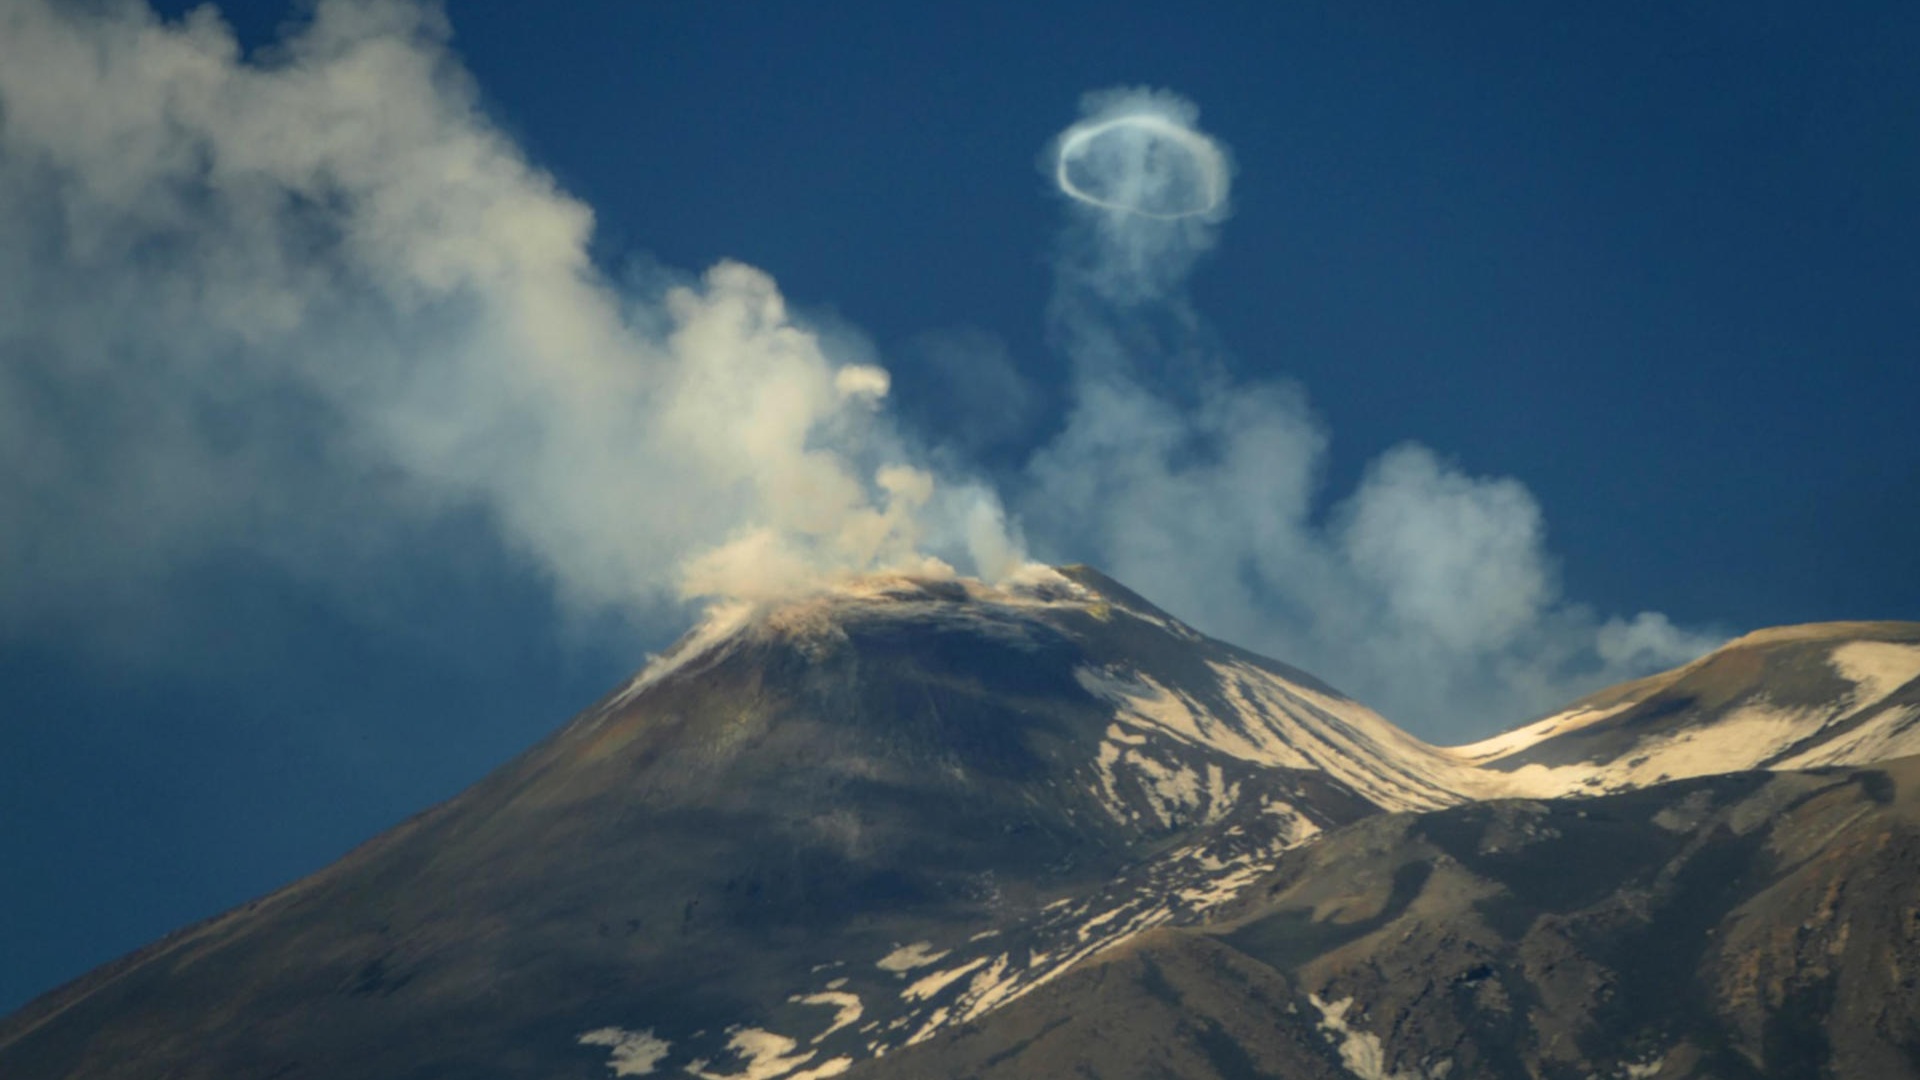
(916, 827)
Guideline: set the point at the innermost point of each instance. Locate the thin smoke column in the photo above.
(1427, 592)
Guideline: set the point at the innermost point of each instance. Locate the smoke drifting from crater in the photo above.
(308, 306)
(314, 307)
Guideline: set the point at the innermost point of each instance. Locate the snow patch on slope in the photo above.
(1745, 738)
(766, 1054)
(833, 1067)
(846, 1007)
(1890, 733)
(1757, 733)
(1362, 1053)
(631, 1053)
(1172, 791)
(1271, 722)
(1876, 668)
(907, 957)
(1520, 738)
(932, 984)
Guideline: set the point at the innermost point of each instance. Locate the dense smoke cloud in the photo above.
(313, 306)
(304, 305)
(1427, 592)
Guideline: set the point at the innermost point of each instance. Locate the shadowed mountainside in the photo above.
(1744, 926)
(995, 831)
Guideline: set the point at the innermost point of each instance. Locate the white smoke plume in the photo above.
(312, 306)
(310, 302)
(1427, 593)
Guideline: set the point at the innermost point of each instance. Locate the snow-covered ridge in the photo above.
(1256, 716)
(1272, 722)
(1755, 730)
(1249, 714)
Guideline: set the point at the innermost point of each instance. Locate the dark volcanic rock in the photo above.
(727, 850)
(1745, 926)
(1163, 1004)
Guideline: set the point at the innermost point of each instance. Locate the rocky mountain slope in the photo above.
(1745, 926)
(917, 820)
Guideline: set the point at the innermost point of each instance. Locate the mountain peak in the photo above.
(822, 613)
(923, 794)
(1855, 630)
(1033, 586)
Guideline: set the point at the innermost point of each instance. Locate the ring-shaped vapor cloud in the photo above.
(1142, 163)
(1148, 189)
(1427, 591)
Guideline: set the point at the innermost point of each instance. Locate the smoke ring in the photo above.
(1206, 155)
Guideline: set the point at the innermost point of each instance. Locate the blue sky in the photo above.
(1622, 295)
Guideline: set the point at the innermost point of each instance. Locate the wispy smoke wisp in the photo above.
(1427, 592)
